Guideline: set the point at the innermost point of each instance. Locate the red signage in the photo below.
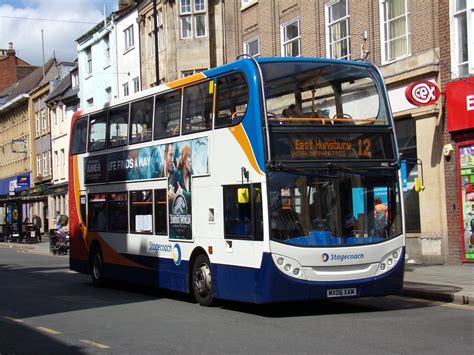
(422, 93)
(460, 104)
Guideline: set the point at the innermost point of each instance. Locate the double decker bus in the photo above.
(263, 180)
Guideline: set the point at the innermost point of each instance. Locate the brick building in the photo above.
(402, 38)
(457, 83)
(12, 68)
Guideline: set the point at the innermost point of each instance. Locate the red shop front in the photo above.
(460, 111)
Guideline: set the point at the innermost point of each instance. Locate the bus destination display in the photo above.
(316, 146)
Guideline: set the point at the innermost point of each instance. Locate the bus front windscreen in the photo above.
(334, 207)
(323, 93)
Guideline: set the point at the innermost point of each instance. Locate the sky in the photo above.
(62, 22)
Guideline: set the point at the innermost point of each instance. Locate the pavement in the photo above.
(443, 283)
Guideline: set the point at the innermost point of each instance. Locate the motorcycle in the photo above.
(61, 247)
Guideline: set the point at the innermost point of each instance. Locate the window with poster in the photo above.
(466, 178)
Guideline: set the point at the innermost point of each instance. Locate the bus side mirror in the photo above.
(418, 185)
(243, 195)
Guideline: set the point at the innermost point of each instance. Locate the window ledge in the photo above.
(107, 66)
(128, 50)
(388, 62)
(246, 6)
(88, 76)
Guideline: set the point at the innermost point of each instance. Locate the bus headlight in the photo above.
(389, 261)
(288, 266)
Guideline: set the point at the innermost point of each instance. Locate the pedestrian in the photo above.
(380, 217)
(6, 230)
(24, 230)
(58, 219)
(37, 227)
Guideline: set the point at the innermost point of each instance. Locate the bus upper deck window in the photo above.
(167, 114)
(79, 136)
(197, 107)
(97, 131)
(141, 120)
(231, 99)
(118, 126)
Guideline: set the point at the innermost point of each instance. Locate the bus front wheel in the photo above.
(202, 281)
(97, 266)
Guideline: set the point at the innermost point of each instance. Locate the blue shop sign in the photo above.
(14, 183)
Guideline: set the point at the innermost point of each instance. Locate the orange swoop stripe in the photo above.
(186, 80)
(110, 255)
(239, 133)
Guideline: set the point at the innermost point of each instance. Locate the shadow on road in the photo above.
(315, 308)
(36, 291)
(43, 344)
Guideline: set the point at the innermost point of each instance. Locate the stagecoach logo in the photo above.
(177, 254)
(422, 93)
(342, 257)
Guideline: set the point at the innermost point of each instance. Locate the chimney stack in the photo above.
(123, 4)
(10, 50)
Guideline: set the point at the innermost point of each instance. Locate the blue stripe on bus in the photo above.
(252, 126)
(263, 285)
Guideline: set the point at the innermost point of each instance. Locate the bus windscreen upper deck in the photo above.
(325, 119)
(323, 93)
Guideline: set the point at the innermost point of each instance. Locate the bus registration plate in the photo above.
(341, 292)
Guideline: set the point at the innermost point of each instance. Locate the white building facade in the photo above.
(108, 58)
(97, 60)
(128, 54)
(62, 103)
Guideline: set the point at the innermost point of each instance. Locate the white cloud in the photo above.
(62, 23)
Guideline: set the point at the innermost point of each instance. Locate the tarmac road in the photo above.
(46, 308)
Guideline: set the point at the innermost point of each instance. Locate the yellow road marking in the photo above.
(14, 319)
(47, 330)
(93, 343)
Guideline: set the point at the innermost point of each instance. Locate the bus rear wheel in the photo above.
(202, 281)
(97, 266)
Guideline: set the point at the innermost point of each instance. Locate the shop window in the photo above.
(243, 216)
(167, 114)
(118, 126)
(79, 136)
(161, 220)
(231, 99)
(97, 130)
(406, 138)
(141, 212)
(141, 114)
(97, 212)
(197, 107)
(117, 207)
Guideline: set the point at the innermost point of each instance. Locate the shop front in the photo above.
(12, 211)
(460, 113)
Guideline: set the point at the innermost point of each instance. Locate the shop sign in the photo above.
(14, 184)
(422, 93)
(460, 104)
